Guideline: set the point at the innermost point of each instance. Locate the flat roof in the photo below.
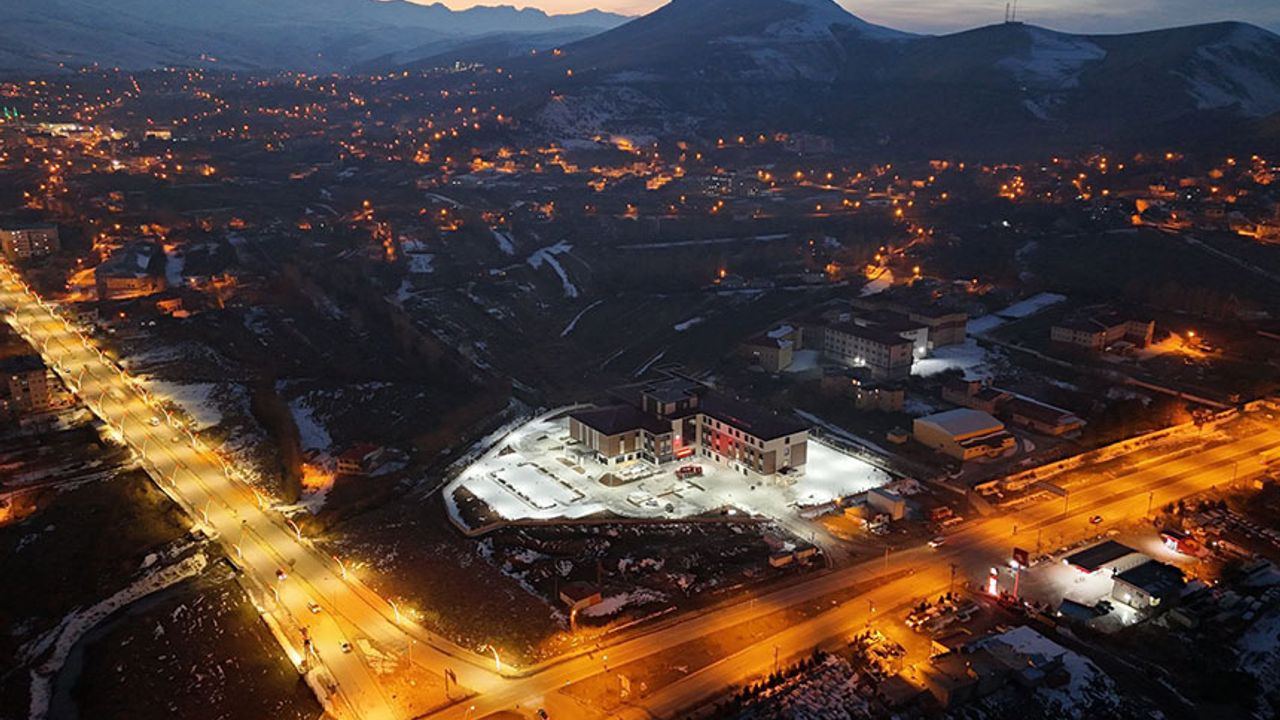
(963, 422)
(872, 334)
(1153, 578)
(750, 419)
(21, 364)
(1092, 559)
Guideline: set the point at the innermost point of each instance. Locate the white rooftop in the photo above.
(963, 422)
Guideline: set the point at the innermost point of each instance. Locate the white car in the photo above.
(154, 421)
(938, 542)
(313, 607)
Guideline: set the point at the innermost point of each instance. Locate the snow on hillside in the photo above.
(548, 255)
(1240, 70)
(1054, 61)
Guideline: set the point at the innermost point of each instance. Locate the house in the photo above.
(1042, 418)
(773, 350)
(974, 394)
(946, 325)
(24, 242)
(888, 502)
(136, 270)
(362, 459)
(677, 418)
(963, 434)
(580, 595)
(1098, 332)
(30, 389)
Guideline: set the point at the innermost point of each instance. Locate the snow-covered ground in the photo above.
(691, 322)
(547, 255)
(421, 263)
(58, 643)
(574, 322)
(1087, 681)
(615, 604)
(505, 243)
(882, 282)
(537, 473)
(969, 357)
(197, 399)
(804, 360)
(1017, 311)
(312, 432)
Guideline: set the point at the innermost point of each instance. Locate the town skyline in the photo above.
(944, 16)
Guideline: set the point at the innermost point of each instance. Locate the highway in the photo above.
(263, 543)
(907, 576)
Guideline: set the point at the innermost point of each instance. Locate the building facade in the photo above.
(678, 419)
(30, 390)
(30, 241)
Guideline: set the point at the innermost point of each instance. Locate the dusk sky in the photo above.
(950, 15)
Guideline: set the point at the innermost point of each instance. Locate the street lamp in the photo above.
(497, 662)
(395, 610)
(342, 567)
(296, 530)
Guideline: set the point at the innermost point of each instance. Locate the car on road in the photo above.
(1095, 520)
(313, 607)
(938, 542)
(542, 714)
(281, 574)
(154, 421)
(346, 646)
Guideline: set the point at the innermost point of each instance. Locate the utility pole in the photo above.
(1151, 496)
(952, 588)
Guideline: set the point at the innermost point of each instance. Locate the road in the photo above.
(263, 543)
(905, 578)
(259, 539)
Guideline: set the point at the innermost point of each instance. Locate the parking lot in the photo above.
(538, 472)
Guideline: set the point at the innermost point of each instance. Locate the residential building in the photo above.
(974, 394)
(1098, 332)
(886, 354)
(773, 351)
(580, 595)
(30, 389)
(136, 270)
(879, 398)
(963, 434)
(1041, 418)
(947, 325)
(24, 242)
(678, 418)
(361, 459)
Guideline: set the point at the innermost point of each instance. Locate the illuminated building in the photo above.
(29, 241)
(678, 418)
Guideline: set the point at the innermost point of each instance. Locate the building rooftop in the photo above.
(616, 419)
(1154, 578)
(1095, 558)
(964, 422)
(872, 334)
(750, 419)
(21, 364)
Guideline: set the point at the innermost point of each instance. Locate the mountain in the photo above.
(722, 65)
(310, 35)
